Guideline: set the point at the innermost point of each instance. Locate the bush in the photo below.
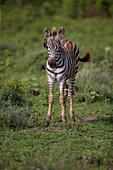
(17, 117)
(13, 91)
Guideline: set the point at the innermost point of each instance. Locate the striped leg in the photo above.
(65, 97)
(51, 99)
(65, 92)
(63, 101)
(70, 94)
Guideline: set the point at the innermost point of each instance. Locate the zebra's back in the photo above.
(72, 56)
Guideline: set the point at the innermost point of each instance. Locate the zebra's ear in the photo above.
(46, 32)
(61, 32)
(45, 42)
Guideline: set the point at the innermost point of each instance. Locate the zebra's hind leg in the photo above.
(70, 94)
(65, 92)
(63, 101)
(51, 99)
(65, 97)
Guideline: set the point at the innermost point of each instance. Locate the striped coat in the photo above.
(62, 64)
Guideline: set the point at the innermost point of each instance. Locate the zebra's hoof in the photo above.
(73, 119)
(46, 124)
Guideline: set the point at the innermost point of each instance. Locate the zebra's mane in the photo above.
(54, 31)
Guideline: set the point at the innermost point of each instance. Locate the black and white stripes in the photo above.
(62, 64)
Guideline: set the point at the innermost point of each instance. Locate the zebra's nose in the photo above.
(51, 62)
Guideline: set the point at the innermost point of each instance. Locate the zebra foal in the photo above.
(62, 64)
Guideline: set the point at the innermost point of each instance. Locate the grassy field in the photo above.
(24, 142)
(87, 144)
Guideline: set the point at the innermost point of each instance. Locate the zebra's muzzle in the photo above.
(51, 62)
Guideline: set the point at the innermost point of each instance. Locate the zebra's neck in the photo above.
(59, 61)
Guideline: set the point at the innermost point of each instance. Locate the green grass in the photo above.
(87, 143)
(24, 142)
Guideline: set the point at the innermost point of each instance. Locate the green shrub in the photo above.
(12, 98)
(17, 117)
(15, 91)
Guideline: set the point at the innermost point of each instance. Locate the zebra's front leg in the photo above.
(51, 99)
(70, 94)
(63, 102)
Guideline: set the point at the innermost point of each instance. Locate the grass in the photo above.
(88, 142)
(24, 142)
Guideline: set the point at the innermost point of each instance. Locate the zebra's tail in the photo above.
(86, 58)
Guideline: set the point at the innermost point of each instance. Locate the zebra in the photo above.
(62, 65)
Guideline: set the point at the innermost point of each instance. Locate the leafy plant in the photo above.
(44, 98)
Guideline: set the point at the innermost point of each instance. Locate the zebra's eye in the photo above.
(47, 46)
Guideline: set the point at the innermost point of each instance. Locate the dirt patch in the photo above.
(88, 119)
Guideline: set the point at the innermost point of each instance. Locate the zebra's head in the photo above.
(53, 44)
